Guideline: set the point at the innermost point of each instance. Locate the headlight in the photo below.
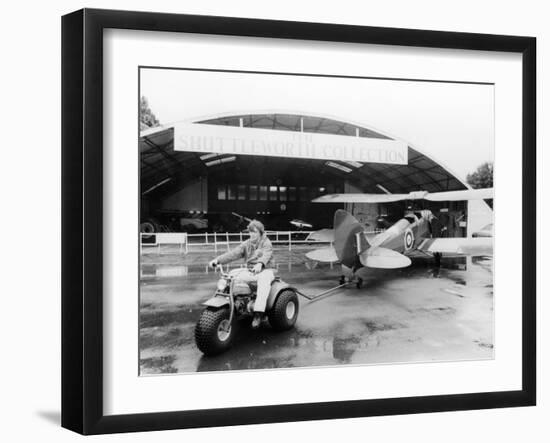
(222, 283)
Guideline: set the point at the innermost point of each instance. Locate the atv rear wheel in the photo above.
(213, 333)
(284, 313)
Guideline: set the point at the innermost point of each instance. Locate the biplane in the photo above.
(393, 248)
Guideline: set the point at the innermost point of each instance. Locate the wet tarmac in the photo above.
(416, 314)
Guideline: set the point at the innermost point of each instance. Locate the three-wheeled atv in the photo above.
(233, 302)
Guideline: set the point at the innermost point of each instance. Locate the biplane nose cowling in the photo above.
(346, 227)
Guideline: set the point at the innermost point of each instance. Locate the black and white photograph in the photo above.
(294, 220)
(275, 221)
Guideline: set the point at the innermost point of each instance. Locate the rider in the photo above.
(257, 252)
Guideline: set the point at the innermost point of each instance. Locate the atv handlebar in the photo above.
(225, 272)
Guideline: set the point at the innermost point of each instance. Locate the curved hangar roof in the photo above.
(162, 168)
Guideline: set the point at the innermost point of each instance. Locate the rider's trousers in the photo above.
(263, 280)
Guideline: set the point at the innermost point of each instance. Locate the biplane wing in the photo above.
(322, 235)
(465, 194)
(458, 246)
(360, 198)
(327, 236)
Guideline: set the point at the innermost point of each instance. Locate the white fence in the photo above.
(165, 238)
(225, 240)
(222, 240)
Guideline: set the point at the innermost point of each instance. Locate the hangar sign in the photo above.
(276, 143)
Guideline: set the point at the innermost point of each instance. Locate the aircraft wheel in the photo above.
(342, 280)
(359, 283)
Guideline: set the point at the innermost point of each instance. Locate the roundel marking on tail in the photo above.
(408, 239)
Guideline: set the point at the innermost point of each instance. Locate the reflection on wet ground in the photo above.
(418, 313)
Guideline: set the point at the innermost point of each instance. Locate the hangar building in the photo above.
(198, 191)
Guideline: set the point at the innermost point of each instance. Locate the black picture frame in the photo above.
(82, 233)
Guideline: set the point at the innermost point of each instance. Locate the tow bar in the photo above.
(321, 295)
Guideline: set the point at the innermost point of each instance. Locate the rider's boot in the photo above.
(257, 320)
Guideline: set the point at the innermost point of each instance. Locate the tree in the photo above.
(482, 177)
(146, 116)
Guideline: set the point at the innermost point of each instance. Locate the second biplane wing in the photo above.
(458, 246)
(325, 255)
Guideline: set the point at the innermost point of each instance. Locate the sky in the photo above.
(453, 123)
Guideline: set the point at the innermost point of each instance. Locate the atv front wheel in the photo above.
(284, 313)
(213, 333)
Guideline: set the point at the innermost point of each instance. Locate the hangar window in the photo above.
(292, 193)
(370, 134)
(221, 192)
(354, 164)
(242, 192)
(209, 156)
(263, 192)
(273, 192)
(220, 161)
(231, 192)
(253, 192)
(227, 121)
(287, 122)
(282, 193)
(339, 167)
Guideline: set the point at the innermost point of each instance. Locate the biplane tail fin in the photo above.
(349, 240)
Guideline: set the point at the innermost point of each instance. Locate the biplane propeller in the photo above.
(391, 249)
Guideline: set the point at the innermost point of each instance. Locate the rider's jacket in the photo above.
(252, 252)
